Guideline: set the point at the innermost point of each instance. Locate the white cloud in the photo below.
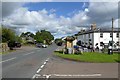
(86, 10)
(101, 12)
(26, 20)
(80, 18)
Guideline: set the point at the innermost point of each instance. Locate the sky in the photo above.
(61, 8)
(60, 18)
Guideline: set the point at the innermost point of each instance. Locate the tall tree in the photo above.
(7, 35)
(44, 35)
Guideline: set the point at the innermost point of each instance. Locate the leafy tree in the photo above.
(38, 37)
(7, 35)
(44, 35)
(18, 39)
(27, 34)
(22, 35)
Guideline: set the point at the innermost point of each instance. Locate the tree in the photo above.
(22, 35)
(28, 37)
(7, 35)
(18, 39)
(44, 36)
(27, 34)
(38, 37)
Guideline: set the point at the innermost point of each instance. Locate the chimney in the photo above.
(93, 26)
(82, 30)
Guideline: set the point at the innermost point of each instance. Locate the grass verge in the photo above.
(91, 57)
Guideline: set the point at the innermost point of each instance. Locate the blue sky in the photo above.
(62, 8)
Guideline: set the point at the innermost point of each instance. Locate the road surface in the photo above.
(24, 62)
(61, 68)
(35, 63)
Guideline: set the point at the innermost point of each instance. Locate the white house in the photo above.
(94, 36)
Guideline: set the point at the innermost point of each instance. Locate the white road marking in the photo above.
(47, 76)
(42, 66)
(28, 53)
(61, 75)
(36, 75)
(66, 75)
(47, 60)
(8, 59)
(39, 70)
(77, 75)
(45, 63)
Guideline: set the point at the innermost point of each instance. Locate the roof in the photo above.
(70, 38)
(87, 31)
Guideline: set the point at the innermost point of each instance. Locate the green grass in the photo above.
(91, 57)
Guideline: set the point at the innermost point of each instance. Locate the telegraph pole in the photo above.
(112, 33)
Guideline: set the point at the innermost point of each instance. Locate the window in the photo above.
(110, 34)
(117, 35)
(101, 35)
(89, 39)
(96, 44)
(117, 43)
(90, 43)
(101, 43)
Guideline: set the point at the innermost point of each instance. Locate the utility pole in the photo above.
(112, 33)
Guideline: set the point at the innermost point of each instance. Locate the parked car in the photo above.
(44, 46)
(39, 45)
(17, 44)
(14, 44)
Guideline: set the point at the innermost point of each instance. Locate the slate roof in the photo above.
(103, 30)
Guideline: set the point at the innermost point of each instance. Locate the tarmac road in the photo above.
(41, 63)
(61, 68)
(25, 61)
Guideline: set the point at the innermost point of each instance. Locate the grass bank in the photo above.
(91, 57)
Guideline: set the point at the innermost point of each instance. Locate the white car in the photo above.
(44, 46)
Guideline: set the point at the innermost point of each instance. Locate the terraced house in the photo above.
(99, 36)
